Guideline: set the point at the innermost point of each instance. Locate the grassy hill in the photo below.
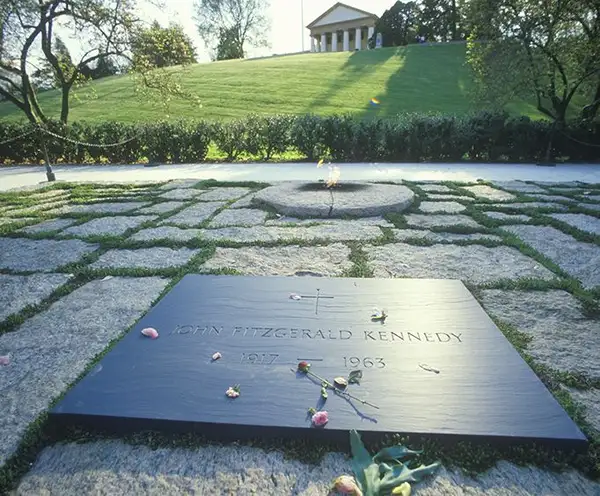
(409, 79)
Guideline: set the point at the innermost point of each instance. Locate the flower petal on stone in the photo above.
(4, 360)
(294, 296)
(150, 332)
(233, 392)
(216, 356)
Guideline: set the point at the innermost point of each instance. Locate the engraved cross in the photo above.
(317, 297)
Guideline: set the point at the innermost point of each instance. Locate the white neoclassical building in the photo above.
(342, 28)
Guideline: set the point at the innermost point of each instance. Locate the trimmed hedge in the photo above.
(481, 137)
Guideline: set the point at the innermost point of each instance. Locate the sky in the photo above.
(286, 31)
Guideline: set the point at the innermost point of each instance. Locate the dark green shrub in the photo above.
(268, 135)
(231, 138)
(307, 135)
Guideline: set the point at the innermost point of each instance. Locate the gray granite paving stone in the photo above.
(239, 217)
(363, 221)
(179, 184)
(419, 220)
(51, 349)
(49, 226)
(194, 215)
(439, 188)
(332, 232)
(442, 237)
(562, 337)
(449, 207)
(41, 255)
(19, 220)
(34, 209)
(550, 198)
(224, 194)
(161, 208)
(17, 292)
(594, 207)
(474, 263)
(432, 196)
(50, 194)
(580, 260)
(520, 187)
(104, 226)
(580, 221)
(483, 191)
(145, 258)
(102, 208)
(244, 202)
(508, 217)
(590, 399)
(331, 260)
(166, 233)
(523, 205)
(181, 194)
(112, 467)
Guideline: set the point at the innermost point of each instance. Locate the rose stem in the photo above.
(337, 391)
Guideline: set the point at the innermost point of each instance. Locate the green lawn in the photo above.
(409, 79)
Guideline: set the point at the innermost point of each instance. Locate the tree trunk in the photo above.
(64, 110)
(453, 21)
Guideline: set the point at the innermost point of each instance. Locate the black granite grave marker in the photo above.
(437, 366)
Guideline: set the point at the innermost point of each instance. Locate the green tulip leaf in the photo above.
(355, 377)
(394, 453)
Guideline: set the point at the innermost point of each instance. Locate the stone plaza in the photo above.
(81, 264)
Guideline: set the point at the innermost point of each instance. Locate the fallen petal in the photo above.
(216, 356)
(295, 296)
(341, 382)
(4, 360)
(150, 332)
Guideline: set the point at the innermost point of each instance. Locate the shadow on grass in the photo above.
(359, 65)
(426, 81)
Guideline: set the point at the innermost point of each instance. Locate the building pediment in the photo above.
(340, 13)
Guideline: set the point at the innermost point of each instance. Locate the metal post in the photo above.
(49, 173)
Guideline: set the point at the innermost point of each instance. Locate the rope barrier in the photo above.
(93, 145)
(15, 138)
(577, 141)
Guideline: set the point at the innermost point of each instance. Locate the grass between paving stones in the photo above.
(15, 320)
(360, 261)
(213, 183)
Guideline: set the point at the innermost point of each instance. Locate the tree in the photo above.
(104, 29)
(440, 20)
(548, 49)
(163, 47)
(231, 25)
(228, 48)
(398, 25)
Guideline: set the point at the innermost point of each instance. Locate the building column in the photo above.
(334, 42)
(346, 40)
(324, 42)
(313, 44)
(371, 33)
(358, 38)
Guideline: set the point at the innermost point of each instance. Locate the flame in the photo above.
(334, 176)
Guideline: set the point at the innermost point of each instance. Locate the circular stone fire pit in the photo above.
(354, 199)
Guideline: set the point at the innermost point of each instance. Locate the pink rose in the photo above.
(319, 419)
